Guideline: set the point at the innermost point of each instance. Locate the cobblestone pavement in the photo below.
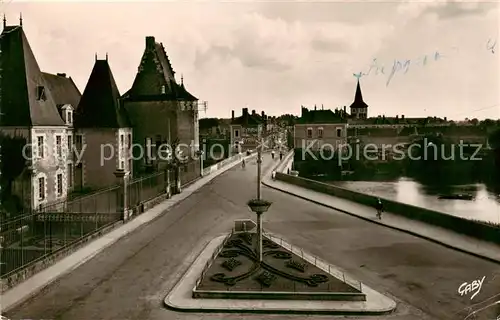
(130, 279)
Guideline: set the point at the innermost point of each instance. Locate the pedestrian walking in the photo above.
(272, 154)
(281, 156)
(380, 208)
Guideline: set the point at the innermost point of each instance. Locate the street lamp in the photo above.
(259, 206)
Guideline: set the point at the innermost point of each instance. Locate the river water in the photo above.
(485, 207)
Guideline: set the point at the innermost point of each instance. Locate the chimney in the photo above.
(62, 75)
(263, 114)
(445, 119)
(150, 42)
(403, 116)
(253, 112)
(232, 114)
(245, 111)
(345, 110)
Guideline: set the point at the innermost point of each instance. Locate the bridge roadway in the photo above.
(130, 279)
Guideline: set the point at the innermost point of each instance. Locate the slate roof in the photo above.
(320, 116)
(100, 106)
(154, 72)
(63, 89)
(358, 99)
(21, 76)
(246, 119)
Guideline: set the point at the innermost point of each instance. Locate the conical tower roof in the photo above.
(358, 99)
(26, 99)
(99, 106)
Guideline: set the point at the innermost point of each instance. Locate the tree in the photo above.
(12, 165)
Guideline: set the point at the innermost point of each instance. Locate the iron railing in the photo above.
(216, 252)
(36, 235)
(146, 188)
(319, 263)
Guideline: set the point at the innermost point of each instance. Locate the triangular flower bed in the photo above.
(236, 274)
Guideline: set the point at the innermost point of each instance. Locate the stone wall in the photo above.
(475, 229)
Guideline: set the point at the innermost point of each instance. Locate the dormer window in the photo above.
(163, 90)
(40, 93)
(69, 117)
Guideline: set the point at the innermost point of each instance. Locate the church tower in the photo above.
(359, 109)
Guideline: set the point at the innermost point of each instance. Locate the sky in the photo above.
(276, 56)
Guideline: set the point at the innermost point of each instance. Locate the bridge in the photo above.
(130, 278)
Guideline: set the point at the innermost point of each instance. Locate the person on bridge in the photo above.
(380, 208)
(243, 163)
(272, 154)
(273, 174)
(281, 155)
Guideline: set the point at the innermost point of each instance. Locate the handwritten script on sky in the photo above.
(402, 66)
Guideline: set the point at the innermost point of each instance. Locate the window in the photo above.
(236, 133)
(59, 146)
(130, 165)
(69, 117)
(309, 133)
(320, 132)
(339, 132)
(41, 188)
(59, 184)
(162, 89)
(122, 164)
(70, 145)
(70, 175)
(129, 140)
(40, 147)
(122, 141)
(40, 93)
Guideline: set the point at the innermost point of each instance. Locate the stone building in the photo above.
(162, 111)
(316, 128)
(103, 131)
(36, 106)
(246, 130)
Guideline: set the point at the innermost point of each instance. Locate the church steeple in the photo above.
(4, 21)
(21, 19)
(359, 109)
(358, 97)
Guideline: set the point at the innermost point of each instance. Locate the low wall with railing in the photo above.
(32, 242)
(476, 229)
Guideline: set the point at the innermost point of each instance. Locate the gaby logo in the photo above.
(466, 288)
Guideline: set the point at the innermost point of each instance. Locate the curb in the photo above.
(26, 297)
(387, 225)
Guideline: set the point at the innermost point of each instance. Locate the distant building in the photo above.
(246, 130)
(102, 129)
(316, 128)
(359, 109)
(37, 106)
(162, 111)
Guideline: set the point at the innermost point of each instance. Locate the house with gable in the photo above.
(67, 97)
(162, 111)
(32, 106)
(102, 130)
(246, 130)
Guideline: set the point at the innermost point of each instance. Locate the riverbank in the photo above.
(476, 229)
(484, 207)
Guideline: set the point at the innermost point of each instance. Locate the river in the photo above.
(485, 207)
